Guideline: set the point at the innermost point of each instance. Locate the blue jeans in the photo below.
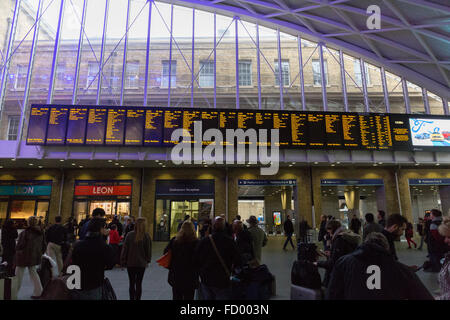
(93, 294)
(212, 293)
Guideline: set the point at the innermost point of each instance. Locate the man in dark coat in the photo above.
(395, 227)
(382, 218)
(244, 242)
(370, 225)
(342, 242)
(355, 278)
(93, 256)
(56, 237)
(323, 231)
(9, 236)
(96, 213)
(288, 231)
(215, 275)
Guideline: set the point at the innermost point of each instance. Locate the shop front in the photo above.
(177, 198)
(22, 199)
(113, 196)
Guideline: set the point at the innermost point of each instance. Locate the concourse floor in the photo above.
(155, 286)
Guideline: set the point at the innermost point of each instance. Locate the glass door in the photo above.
(79, 210)
(178, 210)
(108, 205)
(3, 211)
(42, 210)
(162, 220)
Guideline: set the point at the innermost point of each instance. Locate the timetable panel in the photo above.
(57, 125)
(76, 126)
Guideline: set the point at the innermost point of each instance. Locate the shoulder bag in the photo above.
(220, 257)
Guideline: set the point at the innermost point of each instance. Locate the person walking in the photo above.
(244, 242)
(259, 237)
(114, 240)
(29, 250)
(215, 257)
(349, 279)
(96, 213)
(288, 231)
(436, 242)
(56, 237)
(323, 231)
(136, 255)
(355, 224)
(183, 275)
(129, 226)
(303, 228)
(92, 255)
(444, 274)
(395, 226)
(381, 218)
(421, 232)
(119, 226)
(70, 227)
(370, 225)
(409, 233)
(9, 236)
(342, 242)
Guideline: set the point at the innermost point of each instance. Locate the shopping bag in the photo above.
(164, 261)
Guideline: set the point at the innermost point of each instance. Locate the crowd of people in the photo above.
(213, 257)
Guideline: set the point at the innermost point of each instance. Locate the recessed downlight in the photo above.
(116, 163)
(31, 164)
(109, 160)
(74, 164)
(13, 159)
(61, 160)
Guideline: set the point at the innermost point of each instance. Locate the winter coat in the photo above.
(355, 225)
(444, 279)
(343, 242)
(30, 247)
(56, 234)
(371, 227)
(288, 227)
(93, 256)
(305, 274)
(390, 238)
(350, 277)
(322, 230)
(136, 254)
(114, 237)
(183, 273)
(244, 243)
(9, 237)
(118, 225)
(212, 273)
(259, 238)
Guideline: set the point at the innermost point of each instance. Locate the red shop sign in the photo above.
(105, 190)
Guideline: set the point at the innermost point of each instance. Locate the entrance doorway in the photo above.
(427, 194)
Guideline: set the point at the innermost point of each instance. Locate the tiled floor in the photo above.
(155, 286)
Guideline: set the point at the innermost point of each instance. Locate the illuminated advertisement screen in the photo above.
(277, 218)
(430, 132)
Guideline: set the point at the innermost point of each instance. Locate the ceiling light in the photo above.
(30, 164)
(417, 164)
(61, 160)
(380, 162)
(13, 159)
(116, 163)
(338, 162)
(1, 167)
(81, 166)
(40, 167)
(290, 165)
(122, 166)
(438, 164)
(293, 162)
(332, 164)
(316, 162)
(156, 160)
(163, 166)
(374, 164)
(109, 160)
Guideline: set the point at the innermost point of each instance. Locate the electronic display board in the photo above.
(429, 132)
(57, 123)
(76, 125)
(368, 132)
(350, 131)
(153, 130)
(333, 130)
(134, 130)
(173, 119)
(153, 126)
(316, 132)
(299, 131)
(115, 126)
(96, 125)
(37, 125)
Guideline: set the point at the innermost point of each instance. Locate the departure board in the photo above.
(153, 126)
(368, 130)
(153, 132)
(281, 121)
(57, 124)
(299, 131)
(350, 131)
(227, 120)
(383, 132)
(76, 126)
(37, 125)
(333, 130)
(173, 119)
(96, 125)
(400, 133)
(210, 120)
(316, 132)
(189, 117)
(115, 126)
(134, 130)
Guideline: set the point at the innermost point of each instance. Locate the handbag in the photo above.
(108, 291)
(165, 260)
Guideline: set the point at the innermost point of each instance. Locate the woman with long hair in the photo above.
(183, 276)
(136, 255)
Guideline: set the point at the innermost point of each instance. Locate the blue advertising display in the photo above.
(25, 190)
(356, 182)
(421, 182)
(427, 132)
(288, 182)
